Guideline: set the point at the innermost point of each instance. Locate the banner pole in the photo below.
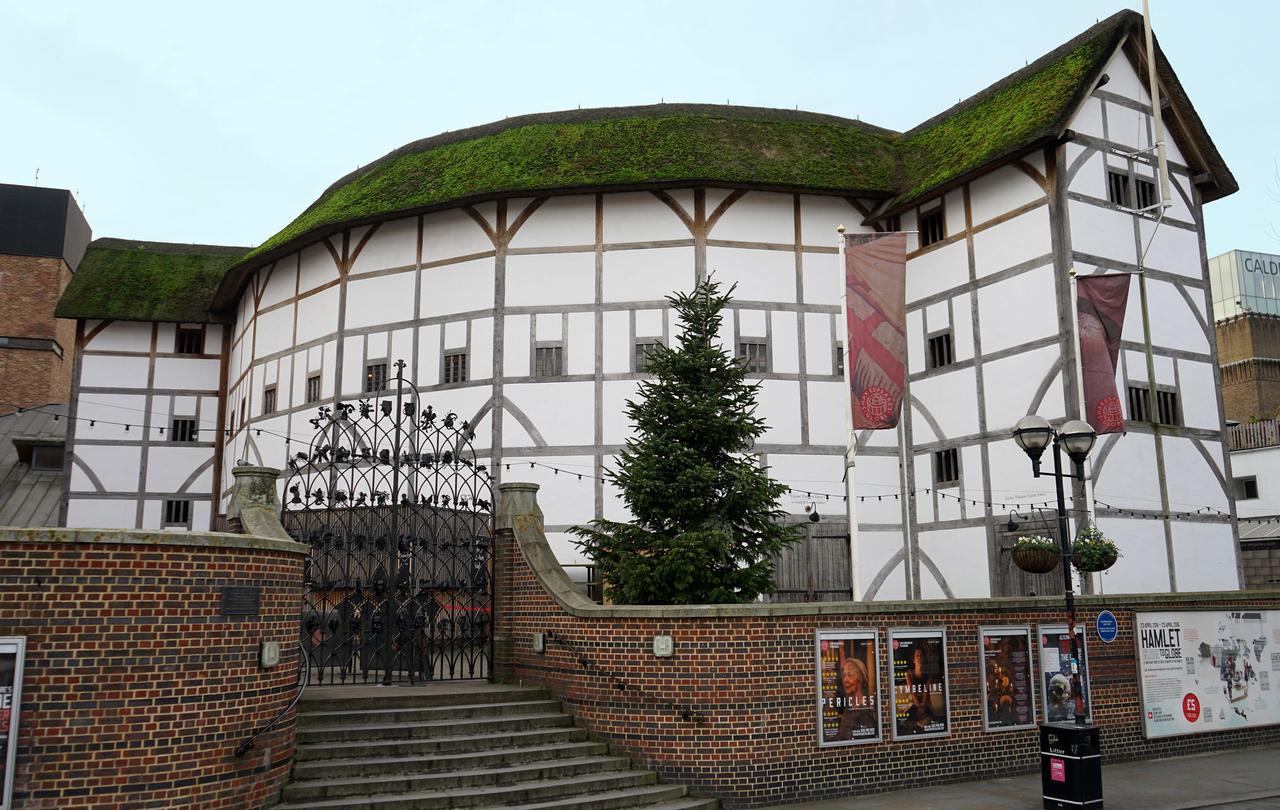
(851, 445)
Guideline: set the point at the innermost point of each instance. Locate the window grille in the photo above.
(189, 341)
(839, 364)
(177, 513)
(940, 350)
(1145, 192)
(375, 377)
(932, 227)
(268, 401)
(313, 388)
(1246, 488)
(1118, 188)
(643, 349)
(755, 355)
(182, 429)
(1168, 410)
(548, 361)
(244, 410)
(455, 367)
(946, 468)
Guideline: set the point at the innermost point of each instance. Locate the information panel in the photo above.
(1055, 672)
(848, 663)
(12, 653)
(1008, 692)
(920, 700)
(1208, 670)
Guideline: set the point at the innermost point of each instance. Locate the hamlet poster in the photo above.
(848, 665)
(1008, 694)
(1208, 670)
(919, 662)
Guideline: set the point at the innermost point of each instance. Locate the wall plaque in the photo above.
(241, 600)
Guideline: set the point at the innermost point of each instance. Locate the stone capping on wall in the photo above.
(14, 534)
(518, 511)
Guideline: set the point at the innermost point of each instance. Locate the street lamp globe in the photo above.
(1078, 437)
(1033, 434)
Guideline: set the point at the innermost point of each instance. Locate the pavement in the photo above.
(1241, 778)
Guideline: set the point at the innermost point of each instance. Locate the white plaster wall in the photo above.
(110, 371)
(961, 555)
(1001, 191)
(760, 275)
(1018, 310)
(1013, 242)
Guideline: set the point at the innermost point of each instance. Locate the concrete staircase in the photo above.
(460, 744)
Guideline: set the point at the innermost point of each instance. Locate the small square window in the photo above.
(177, 513)
(244, 410)
(455, 367)
(313, 388)
(1246, 488)
(932, 226)
(548, 361)
(189, 341)
(644, 348)
(268, 400)
(946, 468)
(1118, 188)
(890, 225)
(47, 458)
(1168, 410)
(839, 363)
(375, 378)
(1145, 192)
(940, 350)
(755, 355)
(182, 429)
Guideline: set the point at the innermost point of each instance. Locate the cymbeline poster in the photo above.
(1055, 672)
(848, 663)
(12, 653)
(1008, 692)
(1208, 670)
(920, 705)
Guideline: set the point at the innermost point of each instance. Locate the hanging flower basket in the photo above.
(1036, 555)
(1093, 551)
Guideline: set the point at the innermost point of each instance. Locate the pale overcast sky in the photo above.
(221, 122)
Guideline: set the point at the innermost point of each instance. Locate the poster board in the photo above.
(1055, 673)
(848, 686)
(1008, 688)
(918, 672)
(1207, 670)
(13, 650)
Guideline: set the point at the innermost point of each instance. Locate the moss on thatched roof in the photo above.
(128, 280)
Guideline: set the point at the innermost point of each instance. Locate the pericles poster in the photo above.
(1008, 694)
(1208, 670)
(919, 683)
(12, 652)
(1055, 672)
(848, 687)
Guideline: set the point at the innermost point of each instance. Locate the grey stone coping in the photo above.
(103, 537)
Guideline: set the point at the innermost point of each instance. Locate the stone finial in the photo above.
(517, 498)
(254, 505)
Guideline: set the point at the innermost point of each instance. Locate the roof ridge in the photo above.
(116, 243)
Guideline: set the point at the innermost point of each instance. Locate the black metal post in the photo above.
(393, 547)
(1065, 545)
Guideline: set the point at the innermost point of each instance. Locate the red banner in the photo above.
(1100, 303)
(875, 276)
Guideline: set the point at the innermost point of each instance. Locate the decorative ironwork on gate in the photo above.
(398, 514)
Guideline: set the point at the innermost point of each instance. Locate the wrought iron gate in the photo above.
(398, 514)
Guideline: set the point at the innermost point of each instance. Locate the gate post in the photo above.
(517, 501)
(254, 506)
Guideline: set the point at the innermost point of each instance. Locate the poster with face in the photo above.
(848, 668)
(1055, 672)
(919, 661)
(1008, 693)
(12, 653)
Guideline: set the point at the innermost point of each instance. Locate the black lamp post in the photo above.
(1034, 434)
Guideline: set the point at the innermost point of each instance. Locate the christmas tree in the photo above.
(706, 521)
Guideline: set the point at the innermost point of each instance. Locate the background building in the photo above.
(520, 270)
(1246, 308)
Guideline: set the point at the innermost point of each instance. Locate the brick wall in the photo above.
(1261, 562)
(1250, 387)
(29, 290)
(137, 691)
(750, 671)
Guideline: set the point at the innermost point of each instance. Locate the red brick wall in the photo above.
(32, 286)
(136, 690)
(753, 678)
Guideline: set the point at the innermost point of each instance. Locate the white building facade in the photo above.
(528, 315)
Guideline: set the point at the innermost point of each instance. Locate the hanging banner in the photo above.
(1208, 670)
(875, 276)
(12, 655)
(921, 707)
(1055, 673)
(848, 663)
(1008, 693)
(1100, 304)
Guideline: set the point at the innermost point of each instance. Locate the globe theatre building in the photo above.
(520, 270)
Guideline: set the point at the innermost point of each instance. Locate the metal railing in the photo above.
(1253, 435)
(590, 584)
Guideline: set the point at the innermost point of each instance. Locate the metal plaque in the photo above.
(241, 600)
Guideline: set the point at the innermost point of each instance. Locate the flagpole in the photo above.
(851, 446)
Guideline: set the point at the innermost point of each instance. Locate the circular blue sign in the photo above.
(1107, 627)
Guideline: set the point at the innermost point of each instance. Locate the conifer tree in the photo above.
(705, 517)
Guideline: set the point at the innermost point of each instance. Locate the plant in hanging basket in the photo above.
(1036, 554)
(1093, 551)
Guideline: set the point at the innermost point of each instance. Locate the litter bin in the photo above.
(1070, 766)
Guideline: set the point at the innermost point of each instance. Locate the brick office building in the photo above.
(43, 236)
